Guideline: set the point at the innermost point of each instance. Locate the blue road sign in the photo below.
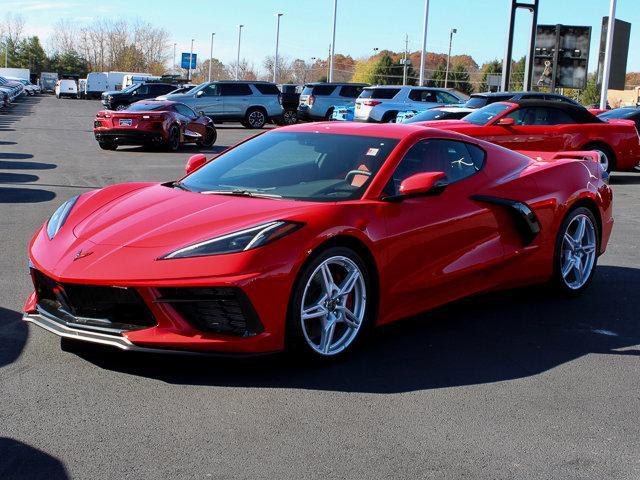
(185, 60)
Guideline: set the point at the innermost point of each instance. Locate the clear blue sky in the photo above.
(362, 24)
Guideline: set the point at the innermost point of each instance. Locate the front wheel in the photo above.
(173, 143)
(576, 251)
(209, 138)
(330, 305)
(255, 118)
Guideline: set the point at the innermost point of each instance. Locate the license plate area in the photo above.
(125, 122)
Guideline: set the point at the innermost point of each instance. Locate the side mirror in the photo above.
(426, 183)
(506, 122)
(195, 162)
(200, 93)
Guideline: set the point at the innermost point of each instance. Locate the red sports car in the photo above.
(153, 122)
(550, 126)
(306, 235)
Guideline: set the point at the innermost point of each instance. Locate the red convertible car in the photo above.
(153, 122)
(550, 126)
(307, 235)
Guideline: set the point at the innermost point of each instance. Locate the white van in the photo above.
(97, 83)
(66, 88)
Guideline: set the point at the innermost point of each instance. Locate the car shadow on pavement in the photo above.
(13, 336)
(625, 179)
(15, 156)
(489, 338)
(11, 165)
(17, 178)
(25, 195)
(21, 461)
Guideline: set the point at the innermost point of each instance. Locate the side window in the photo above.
(422, 96)
(321, 90)
(211, 90)
(229, 89)
(458, 160)
(446, 98)
(350, 91)
(163, 89)
(540, 116)
(268, 88)
(186, 111)
(142, 90)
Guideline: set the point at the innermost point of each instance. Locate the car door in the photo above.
(421, 99)
(209, 101)
(191, 125)
(535, 129)
(235, 98)
(443, 246)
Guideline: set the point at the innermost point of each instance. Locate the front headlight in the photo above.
(239, 241)
(60, 216)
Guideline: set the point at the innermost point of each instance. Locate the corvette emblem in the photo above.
(80, 255)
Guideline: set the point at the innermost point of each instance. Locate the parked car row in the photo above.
(10, 91)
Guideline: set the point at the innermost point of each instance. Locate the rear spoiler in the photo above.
(574, 155)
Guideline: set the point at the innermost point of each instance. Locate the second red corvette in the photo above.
(307, 235)
(153, 122)
(551, 126)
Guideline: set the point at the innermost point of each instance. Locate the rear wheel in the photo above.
(209, 138)
(329, 114)
(607, 158)
(107, 145)
(290, 117)
(173, 143)
(576, 251)
(255, 118)
(330, 305)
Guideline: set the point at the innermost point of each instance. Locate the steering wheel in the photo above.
(353, 173)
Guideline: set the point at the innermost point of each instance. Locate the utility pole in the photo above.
(406, 59)
(606, 68)
(174, 57)
(238, 57)
(446, 74)
(211, 56)
(333, 41)
(423, 54)
(329, 67)
(275, 58)
(190, 60)
(532, 6)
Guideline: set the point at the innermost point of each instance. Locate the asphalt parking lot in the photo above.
(516, 385)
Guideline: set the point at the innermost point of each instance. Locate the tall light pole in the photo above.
(423, 54)
(174, 57)
(405, 60)
(606, 69)
(446, 74)
(333, 40)
(238, 57)
(275, 58)
(190, 60)
(211, 55)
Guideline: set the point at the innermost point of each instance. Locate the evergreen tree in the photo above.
(70, 63)
(439, 74)
(31, 55)
(459, 79)
(494, 67)
(382, 70)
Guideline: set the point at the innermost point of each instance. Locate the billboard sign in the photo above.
(561, 56)
(185, 60)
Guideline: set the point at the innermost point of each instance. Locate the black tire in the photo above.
(559, 282)
(389, 117)
(107, 145)
(173, 143)
(289, 117)
(606, 151)
(255, 118)
(328, 115)
(210, 138)
(297, 341)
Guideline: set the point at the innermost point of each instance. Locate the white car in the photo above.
(29, 87)
(66, 88)
(383, 103)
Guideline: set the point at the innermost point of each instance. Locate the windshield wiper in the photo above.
(241, 193)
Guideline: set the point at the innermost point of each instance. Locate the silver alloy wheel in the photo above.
(604, 159)
(121, 107)
(290, 117)
(333, 305)
(256, 119)
(578, 253)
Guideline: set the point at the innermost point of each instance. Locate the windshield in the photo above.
(296, 165)
(429, 115)
(146, 107)
(131, 88)
(619, 113)
(486, 114)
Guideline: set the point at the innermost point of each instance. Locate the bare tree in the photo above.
(12, 27)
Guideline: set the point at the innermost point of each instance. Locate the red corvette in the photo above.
(153, 122)
(307, 235)
(550, 126)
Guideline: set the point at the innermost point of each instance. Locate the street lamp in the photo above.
(275, 58)
(174, 57)
(446, 75)
(238, 58)
(211, 56)
(606, 69)
(190, 60)
(423, 54)
(333, 40)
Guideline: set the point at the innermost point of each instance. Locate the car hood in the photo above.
(160, 216)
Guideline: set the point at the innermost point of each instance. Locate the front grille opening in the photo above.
(225, 310)
(114, 308)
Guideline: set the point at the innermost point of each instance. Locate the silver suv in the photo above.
(318, 99)
(251, 103)
(383, 103)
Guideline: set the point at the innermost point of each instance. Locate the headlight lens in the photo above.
(239, 241)
(60, 216)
